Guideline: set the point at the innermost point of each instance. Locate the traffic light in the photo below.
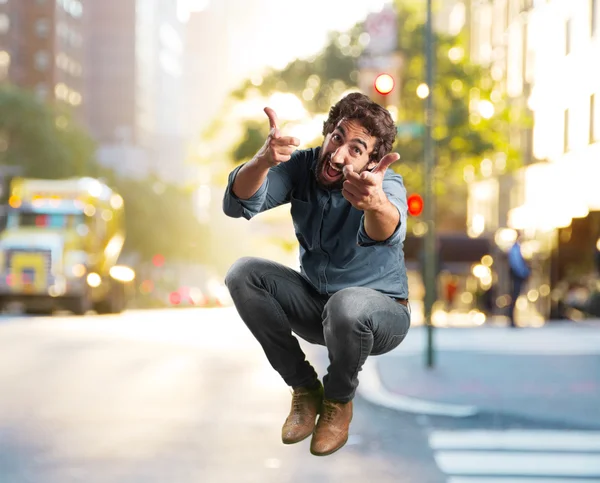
(415, 205)
(175, 298)
(158, 260)
(384, 84)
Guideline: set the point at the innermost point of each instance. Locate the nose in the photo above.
(337, 158)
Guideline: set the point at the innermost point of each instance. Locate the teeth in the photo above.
(334, 168)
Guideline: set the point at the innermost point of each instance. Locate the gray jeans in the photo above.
(275, 301)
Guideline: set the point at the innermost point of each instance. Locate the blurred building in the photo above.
(41, 48)
(220, 40)
(202, 72)
(542, 54)
(134, 56)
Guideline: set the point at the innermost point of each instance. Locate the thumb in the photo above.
(385, 162)
(273, 120)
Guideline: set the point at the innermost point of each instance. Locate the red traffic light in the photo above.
(175, 298)
(384, 84)
(415, 205)
(158, 260)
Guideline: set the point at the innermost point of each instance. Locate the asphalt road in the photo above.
(184, 396)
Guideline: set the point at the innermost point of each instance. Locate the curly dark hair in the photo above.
(373, 117)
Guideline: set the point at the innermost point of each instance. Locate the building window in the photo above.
(61, 91)
(568, 28)
(593, 17)
(4, 64)
(566, 132)
(594, 120)
(41, 60)
(42, 28)
(4, 23)
(75, 98)
(4, 58)
(42, 91)
(74, 7)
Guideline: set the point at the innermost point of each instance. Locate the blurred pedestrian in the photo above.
(450, 290)
(349, 213)
(519, 273)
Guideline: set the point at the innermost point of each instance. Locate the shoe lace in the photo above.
(329, 411)
(299, 400)
(296, 403)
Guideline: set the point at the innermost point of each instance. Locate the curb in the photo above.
(372, 390)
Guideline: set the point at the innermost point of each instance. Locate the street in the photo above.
(187, 396)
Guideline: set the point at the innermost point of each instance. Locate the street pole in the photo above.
(430, 237)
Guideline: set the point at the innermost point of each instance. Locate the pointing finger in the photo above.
(354, 189)
(272, 118)
(368, 178)
(289, 141)
(385, 162)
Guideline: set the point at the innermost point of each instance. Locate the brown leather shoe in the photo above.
(306, 405)
(332, 428)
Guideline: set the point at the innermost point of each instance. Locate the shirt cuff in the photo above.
(234, 206)
(399, 234)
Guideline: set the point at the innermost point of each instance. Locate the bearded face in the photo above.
(349, 144)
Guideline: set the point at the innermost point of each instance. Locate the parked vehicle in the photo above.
(61, 246)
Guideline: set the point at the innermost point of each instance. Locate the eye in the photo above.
(336, 138)
(356, 151)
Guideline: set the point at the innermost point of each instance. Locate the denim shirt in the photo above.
(335, 250)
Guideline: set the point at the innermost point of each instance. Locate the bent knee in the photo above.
(240, 271)
(348, 306)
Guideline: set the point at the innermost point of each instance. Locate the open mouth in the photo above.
(330, 173)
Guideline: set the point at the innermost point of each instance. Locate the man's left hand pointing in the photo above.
(364, 191)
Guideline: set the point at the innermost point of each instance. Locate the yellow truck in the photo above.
(61, 245)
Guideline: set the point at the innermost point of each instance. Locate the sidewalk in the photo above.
(551, 373)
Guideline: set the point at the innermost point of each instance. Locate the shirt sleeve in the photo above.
(275, 190)
(393, 187)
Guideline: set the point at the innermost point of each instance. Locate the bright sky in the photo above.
(287, 29)
(248, 35)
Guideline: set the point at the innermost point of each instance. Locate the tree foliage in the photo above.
(254, 138)
(160, 219)
(47, 143)
(43, 140)
(463, 137)
(318, 80)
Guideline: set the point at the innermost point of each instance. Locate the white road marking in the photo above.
(517, 456)
(523, 464)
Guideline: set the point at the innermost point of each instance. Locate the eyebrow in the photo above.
(356, 140)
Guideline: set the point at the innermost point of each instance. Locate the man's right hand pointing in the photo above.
(277, 148)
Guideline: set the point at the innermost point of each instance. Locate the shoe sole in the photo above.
(297, 440)
(331, 451)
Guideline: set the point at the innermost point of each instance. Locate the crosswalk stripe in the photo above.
(503, 479)
(536, 440)
(515, 463)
